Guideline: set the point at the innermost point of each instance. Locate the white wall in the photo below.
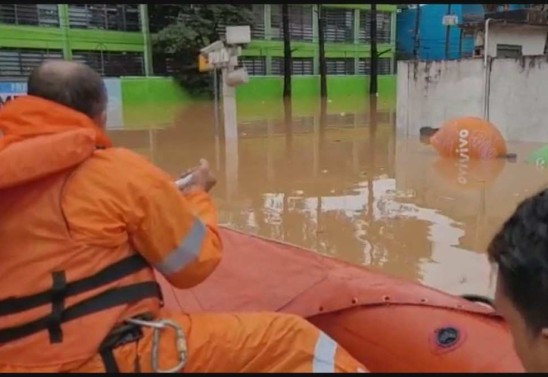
(431, 92)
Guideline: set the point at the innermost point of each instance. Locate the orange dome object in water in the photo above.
(469, 138)
(387, 324)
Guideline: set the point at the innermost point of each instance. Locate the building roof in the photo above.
(523, 17)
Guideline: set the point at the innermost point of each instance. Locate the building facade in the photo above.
(111, 38)
(115, 40)
(512, 33)
(347, 38)
(432, 41)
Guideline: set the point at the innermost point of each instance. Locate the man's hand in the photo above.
(200, 177)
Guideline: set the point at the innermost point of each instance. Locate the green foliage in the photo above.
(194, 27)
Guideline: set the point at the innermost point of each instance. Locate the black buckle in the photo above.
(124, 333)
(120, 335)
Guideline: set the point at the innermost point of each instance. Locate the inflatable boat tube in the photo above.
(390, 325)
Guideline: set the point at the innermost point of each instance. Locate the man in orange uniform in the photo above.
(467, 138)
(83, 225)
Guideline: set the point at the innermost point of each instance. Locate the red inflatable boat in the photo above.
(388, 324)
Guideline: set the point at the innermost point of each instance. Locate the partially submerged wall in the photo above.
(143, 102)
(431, 92)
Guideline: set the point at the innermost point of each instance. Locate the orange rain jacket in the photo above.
(469, 138)
(71, 206)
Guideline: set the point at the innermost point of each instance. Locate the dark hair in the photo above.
(71, 84)
(520, 250)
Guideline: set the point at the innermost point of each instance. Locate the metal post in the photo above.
(229, 109)
(447, 31)
(231, 136)
(487, 71)
(417, 32)
(147, 43)
(219, 56)
(460, 42)
(215, 102)
(65, 26)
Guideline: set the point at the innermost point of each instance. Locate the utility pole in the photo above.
(416, 45)
(460, 42)
(447, 31)
(287, 52)
(321, 53)
(374, 55)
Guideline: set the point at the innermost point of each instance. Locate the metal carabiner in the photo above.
(180, 342)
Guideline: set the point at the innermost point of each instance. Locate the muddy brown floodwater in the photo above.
(345, 185)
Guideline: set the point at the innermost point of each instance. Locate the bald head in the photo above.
(71, 84)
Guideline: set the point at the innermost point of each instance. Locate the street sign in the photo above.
(450, 20)
(203, 64)
(218, 57)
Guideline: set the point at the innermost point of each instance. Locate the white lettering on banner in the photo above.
(5, 98)
(464, 156)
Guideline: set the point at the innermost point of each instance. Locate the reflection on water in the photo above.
(343, 184)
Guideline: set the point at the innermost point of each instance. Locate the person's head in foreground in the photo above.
(426, 133)
(71, 84)
(520, 253)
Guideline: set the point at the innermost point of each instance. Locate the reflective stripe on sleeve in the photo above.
(186, 252)
(324, 354)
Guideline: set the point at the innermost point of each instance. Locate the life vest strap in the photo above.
(106, 300)
(58, 291)
(110, 274)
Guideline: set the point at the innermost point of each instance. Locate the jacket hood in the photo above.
(41, 137)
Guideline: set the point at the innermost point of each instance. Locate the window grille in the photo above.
(17, 62)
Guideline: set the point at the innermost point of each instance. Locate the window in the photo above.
(508, 51)
(384, 66)
(299, 66)
(16, 62)
(300, 22)
(384, 27)
(340, 66)
(339, 25)
(30, 14)
(112, 64)
(256, 66)
(121, 17)
(165, 64)
(257, 28)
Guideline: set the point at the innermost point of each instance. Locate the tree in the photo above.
(494, 7)
(287, 51)
(374, 55)
(321, 52)
(195, 27)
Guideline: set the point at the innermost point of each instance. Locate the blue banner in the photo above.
(11, 90)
